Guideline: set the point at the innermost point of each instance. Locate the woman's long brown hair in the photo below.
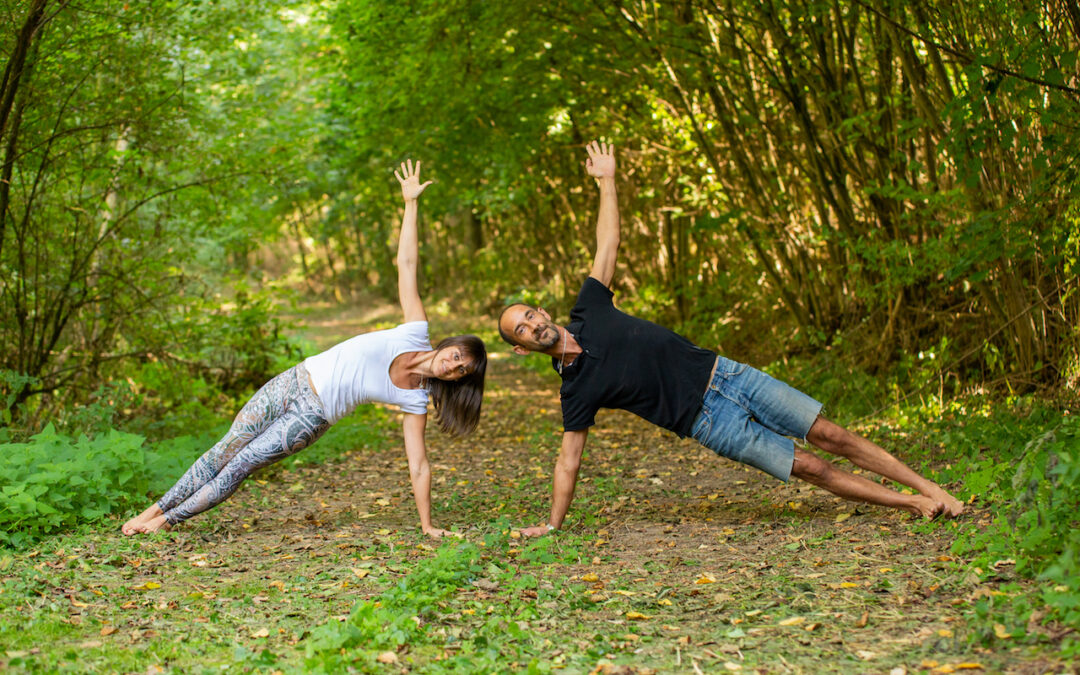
(457, 403)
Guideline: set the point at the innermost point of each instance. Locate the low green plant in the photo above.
(1033, 499)
(53, 482)
(431, 616)
(396, 618)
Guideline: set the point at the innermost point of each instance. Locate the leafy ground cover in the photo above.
(672, 561)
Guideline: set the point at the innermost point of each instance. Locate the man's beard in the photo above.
(544, 341)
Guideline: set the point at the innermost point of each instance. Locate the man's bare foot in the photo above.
(132, 526)
(158, 524)
(926, 507)
(953, 506)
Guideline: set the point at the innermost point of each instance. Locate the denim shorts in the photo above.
(748, 416)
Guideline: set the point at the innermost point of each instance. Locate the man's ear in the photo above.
(544, 312)
(521, 351)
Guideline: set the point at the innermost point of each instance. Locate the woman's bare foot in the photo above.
(158, 524)
(133, 526)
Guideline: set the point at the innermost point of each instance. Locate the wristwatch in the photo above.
(551, 528)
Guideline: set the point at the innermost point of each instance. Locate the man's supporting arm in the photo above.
(566, 470)
(601, 166)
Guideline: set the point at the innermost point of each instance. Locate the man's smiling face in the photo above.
(531, 328)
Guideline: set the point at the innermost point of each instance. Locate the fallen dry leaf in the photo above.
(387, 657)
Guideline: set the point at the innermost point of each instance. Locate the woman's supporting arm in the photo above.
(408, 243)
(420, 471)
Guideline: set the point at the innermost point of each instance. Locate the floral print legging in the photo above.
(282, 418)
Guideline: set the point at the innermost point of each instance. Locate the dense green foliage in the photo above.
(898, 174)
(791, 174)
(131, 186)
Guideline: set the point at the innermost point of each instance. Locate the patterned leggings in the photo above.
(282, 418)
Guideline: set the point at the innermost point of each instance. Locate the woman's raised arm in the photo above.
(408, 242)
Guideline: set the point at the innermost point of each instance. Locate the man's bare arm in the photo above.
(601, 166)
(566, 470)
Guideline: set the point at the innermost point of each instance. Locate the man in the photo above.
(608, 359)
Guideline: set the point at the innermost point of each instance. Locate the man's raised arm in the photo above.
(601, 166)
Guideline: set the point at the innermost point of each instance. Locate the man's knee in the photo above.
(828, 435)
(810, 468)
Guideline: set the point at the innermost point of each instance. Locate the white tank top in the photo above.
(358, 371)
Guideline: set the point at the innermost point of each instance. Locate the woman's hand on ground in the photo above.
(409, 177)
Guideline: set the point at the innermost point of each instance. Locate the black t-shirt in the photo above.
(631, 364)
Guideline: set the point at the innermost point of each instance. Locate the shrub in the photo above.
(53, 482)
(1035, 523)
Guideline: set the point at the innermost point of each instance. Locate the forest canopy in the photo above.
(895, 183)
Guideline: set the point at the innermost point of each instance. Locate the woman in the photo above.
(295, 408)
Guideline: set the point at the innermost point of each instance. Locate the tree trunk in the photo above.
(9, 87)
